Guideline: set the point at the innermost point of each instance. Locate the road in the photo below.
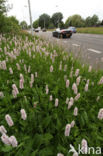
(87, 47)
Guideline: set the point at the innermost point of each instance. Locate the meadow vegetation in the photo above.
(48, 100)
(90, 30)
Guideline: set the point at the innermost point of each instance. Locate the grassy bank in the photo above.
(53, 100)
(91, 30)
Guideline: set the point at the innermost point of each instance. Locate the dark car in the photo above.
(63, 33)
(44, 30)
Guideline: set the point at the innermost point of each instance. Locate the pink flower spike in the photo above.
(56, 102)
(5, 139)
(75, 111)
(9, 120)
(67, 83)
(23, 114)
(67, 130)
(100, 114)
(13, 141)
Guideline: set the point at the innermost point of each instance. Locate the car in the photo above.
(36, 30)
(73, 29)
(63, 33)
(43, 30)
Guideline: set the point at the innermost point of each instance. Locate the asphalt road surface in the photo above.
(87, 47)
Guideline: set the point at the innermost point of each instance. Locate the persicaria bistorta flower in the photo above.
(1, 95)
(67, 129)
(75, 111)
(18, 66)
(51, 98)
(86, 87)
(51, 68)
(15, 91)
(21, 85)
(70, 104)
(2, 129)
(9, 120)
(10, 70)
(5, 139)
(15, 88)
(23, 114)
(74, 88)
(98, 97)
(65, 67)
(13, 141)
(101, 81)
(72, 124)
(78, 80)
(56, 102)
(67, 83)
(84, 146)
(100, 114)
(77, 97)
(77, 72)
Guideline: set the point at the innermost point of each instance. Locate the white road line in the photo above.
(95, 51)
(77, 45)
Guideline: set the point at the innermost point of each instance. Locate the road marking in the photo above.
(95, 51)
(77, 45)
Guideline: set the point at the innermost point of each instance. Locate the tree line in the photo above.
(57, 21)
(11, 24)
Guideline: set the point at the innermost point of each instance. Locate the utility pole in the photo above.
(30, 17)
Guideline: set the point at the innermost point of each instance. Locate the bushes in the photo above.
(9, 25)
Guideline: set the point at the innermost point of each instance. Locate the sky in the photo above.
(84, 8)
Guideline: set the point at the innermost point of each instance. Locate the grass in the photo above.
(91, 30)
(42, 133)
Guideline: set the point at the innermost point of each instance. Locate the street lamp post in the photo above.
(30, 17)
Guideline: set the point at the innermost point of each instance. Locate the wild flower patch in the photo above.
(47, 100)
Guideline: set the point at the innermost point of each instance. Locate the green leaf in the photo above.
(6, 148)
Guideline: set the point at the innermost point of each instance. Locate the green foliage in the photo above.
(23, 25)
(2, 7)
(36, 24)
(57, 18)
(75, 20)
(9, 25)
(42, 133)
(92, 21)
(44, 20)
(91, 30)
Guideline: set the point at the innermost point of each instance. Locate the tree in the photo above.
(88, 22)
(94, 20)
(10, 25)
(2, 7)
(57, 18)
(91, 21)
(23, 25)
(75, 20)
(36, 24)
(2, 11)
(44, 20)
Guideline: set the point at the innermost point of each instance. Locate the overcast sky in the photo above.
(67, 7)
